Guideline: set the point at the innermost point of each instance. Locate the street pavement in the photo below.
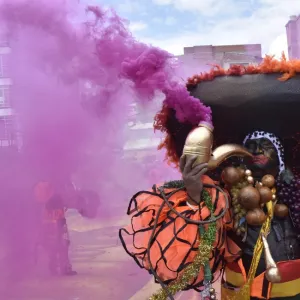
(105, 271)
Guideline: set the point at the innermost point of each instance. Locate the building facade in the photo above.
(293, 36)
(197, 59)
(141, 140)
(8, 136)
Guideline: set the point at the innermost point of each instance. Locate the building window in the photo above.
(4, 96)
(3, 39)
(6, 125)
(1, 66)
(3, 132)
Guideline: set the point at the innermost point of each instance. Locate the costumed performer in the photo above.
(53, 233)
(256, 241)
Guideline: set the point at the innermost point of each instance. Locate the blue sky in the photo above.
(173, 24)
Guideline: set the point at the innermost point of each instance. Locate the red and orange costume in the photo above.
(176, 242)
(53, 235)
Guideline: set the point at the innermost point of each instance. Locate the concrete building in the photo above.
(293, 36)
(7, 119)
(141, 139)
(201, 58)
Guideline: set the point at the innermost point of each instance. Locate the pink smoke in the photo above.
(69, 131)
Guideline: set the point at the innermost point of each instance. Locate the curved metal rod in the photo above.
(166, 202)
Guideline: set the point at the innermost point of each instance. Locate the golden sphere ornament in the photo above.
(265, 194)
(249, 197)
(281, 210)
(231, 176)
(268, 181)
(255, 217)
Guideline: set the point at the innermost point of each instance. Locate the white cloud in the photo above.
(265, 25)
(137, 26)
(126, 7)
(170, 21)
(162, 2)
(278, 46)
(205, 7)
(157, 20)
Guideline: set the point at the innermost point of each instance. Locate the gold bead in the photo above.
(248, 173)
(250, 179)
(236, 210)
(234, 195)
(212, 291)
(273, 197)
(240, 214)
(258, 185)
(244, 184)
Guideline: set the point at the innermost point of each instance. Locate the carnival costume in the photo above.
(245, 228)
(53, 233)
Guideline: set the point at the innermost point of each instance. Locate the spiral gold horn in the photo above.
(199, 142)
(272, 271)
